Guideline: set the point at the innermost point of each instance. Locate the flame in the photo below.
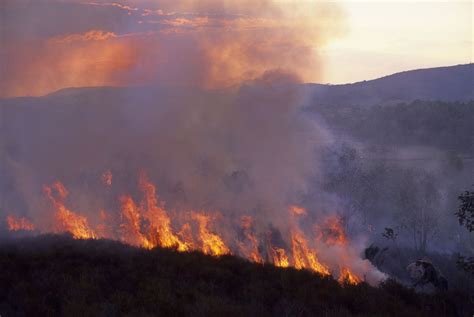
(147, 224)
(346, 276)
(280, 259)
(160, 223)
(67, 220)
(304, 257)
(131, 224)
(332, 232)
(17, 224)
(297, 210)
(211, 243)
(249, 248)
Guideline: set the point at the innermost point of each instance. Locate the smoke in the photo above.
(244, 150)
(210, 44)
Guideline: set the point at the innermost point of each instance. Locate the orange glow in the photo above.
(279, 257)
(346, 276)
(18, 224)
(160, 223)
(249, 248)
(332, 232)
(297, 210)
(304, 257)
(65, 219)
(211, 243)
(148, 224)
(131, 224)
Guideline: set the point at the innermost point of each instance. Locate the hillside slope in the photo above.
(56, 275)
(453, 83)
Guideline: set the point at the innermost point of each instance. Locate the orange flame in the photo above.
(211, 243)
(249, 248)
(280, 259)
(304, 257)
(67, 220)
(131, 224)
(148, 224)
(160, 223)
(17, 224)
(332, 232)
(346, 276)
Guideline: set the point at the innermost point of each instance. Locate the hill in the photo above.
(453, 83)
(56, 275)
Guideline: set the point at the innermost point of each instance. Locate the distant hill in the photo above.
(453, 83)
(59, 276)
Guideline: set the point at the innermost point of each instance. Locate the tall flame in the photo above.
(148, 224)
(249, 248)
(161, 232)
(304, 257)
(211, 243)
(67, 220)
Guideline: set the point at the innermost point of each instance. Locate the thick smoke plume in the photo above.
(211, 44)
(247, 150)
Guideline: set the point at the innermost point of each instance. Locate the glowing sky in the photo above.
(47, 45)
(384, 37)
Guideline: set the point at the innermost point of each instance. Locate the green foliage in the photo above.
(55, 276)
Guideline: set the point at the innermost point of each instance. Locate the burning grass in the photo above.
(148, 223)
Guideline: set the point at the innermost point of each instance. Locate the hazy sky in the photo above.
(47, 45)
(384, 37)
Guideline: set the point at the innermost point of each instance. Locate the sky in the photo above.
(48, 45)
(385, 37)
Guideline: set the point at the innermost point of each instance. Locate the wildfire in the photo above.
(346, 276)
(17, 224)
(131, 224)
(67, 220)
(249, 248)
(279, 257)
(147, 224)
(160, 223)
(304, 257)
(332, 232)
(211, 243)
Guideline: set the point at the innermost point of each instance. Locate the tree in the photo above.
(465, 212)
(465, 216)
(418, 200)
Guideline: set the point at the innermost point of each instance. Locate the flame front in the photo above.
(304, 257)
(346, 276)
(147, 224)
(279, 257)
(66, 220)
(211, 243)
(249, 247)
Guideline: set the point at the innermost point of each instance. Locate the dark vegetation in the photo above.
(443, 125)
(447, 84)
(56, 275)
